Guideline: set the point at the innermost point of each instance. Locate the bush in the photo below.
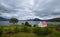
(6, 30)
(46, 31)
(27, 24)
(35, 25)
(26, 29)
(42, 31)
(9, 31)
(1, 31)
(58, 27)
(36, 30)
(16, 29)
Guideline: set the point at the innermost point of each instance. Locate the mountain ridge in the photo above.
(35, 19)
(3, 19)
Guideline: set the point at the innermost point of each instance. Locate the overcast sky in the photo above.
(28, 9)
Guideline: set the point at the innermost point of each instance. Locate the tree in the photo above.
(27, 24)
(13, 20)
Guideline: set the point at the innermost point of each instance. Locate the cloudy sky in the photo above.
(29, 9)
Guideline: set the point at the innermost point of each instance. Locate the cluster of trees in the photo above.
(13, 20)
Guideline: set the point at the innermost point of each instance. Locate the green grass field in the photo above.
(55, 33)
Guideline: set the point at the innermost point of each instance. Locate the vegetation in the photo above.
(55, 20)
(1, 31)
(42, 31)
(27, 24)
(13, 20)
(16, 29)
(26, 30)
(58, 27)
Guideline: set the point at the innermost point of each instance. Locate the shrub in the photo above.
(42, 31)
(1, 31)
(46, 31)
(26, 29)
(36, 30)
(58, 27)
(27, 24)
(9, 31)
(35, 25)
(6, 30)
(16, 29)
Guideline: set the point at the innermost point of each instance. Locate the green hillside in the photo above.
(55, 20)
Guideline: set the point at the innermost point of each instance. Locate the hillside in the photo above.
(54, 20)
(35, 19)
(3, 19)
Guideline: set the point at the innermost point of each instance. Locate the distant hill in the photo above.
(3, 19)
(35, 19)
(54, 19)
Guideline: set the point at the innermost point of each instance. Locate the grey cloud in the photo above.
(49, 8)
(25, 9)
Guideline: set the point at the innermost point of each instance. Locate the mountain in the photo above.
(35, 19)
(54, 20)
(3, 19)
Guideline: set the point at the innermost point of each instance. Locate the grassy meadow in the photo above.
(15, 30)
